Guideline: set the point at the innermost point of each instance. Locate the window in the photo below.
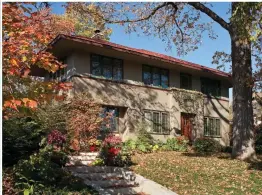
(185, 81)
(60, 74)
(210, 87)
(112, 123)
(157, 122)
(107, 67)
(212, 127)
(155, 76)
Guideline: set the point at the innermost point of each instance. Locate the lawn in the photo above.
(186, 173)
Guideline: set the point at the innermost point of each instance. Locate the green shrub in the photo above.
(130, 145)
(39, 168)
(21, 138)
(42, 174)
(144, 141)
(144, 136)
(176, 144)
(98, 162)
(206, 145)
(122, 159)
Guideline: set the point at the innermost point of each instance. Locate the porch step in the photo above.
(80, 162)
(80, 158)
(112, 183)
(88, 153)
(106, 176)
(98, 169)
(109, 180)
(84, 158)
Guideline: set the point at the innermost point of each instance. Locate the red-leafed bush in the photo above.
(113, 153)
(112, 141)
(84, 121)
(92, 148)
(56, 138)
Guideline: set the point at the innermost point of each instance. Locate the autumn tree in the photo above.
(84, 24)
(26, 33)
(180, 24)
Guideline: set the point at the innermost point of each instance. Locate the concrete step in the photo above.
(80, 162)
(112, 183)
(88, 153)
(82, 157)
(98, 169)
(107, 176)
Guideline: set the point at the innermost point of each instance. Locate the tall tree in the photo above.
(180, 23)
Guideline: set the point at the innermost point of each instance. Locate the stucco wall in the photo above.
(134, 99)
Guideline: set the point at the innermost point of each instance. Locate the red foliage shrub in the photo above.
(8, 184)
(92, 148)
(112, 141)
(56, 138)
(84, 121)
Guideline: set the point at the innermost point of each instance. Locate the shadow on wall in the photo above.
(222, 112)
(123, 95)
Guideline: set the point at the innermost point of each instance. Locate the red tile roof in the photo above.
(140, 52)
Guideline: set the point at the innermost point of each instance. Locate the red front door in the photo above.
(186, 125)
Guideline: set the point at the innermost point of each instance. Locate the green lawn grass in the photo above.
(186, 173)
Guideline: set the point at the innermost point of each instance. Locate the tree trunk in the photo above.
(243, 122)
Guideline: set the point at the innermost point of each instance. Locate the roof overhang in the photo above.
(63, 45)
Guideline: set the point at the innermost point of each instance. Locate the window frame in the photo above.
(189, 78)
(161, 130)
(116, 117)
(101, 65)
(212, 129)
(59, 74)
(160, 71)
(207, 84)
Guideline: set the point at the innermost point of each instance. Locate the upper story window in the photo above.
(210, 87)
(110, 68)
(60, 74)
(155, 76)
(185, 81)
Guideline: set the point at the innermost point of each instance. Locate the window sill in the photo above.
(155, 133)
(213, 136)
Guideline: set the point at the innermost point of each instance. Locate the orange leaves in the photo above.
(64, 86)
(14, 104)
(13, 62)
(29, 103)
(75, 145)
(26, 33)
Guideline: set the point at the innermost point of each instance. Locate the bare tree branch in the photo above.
(174, 15)
(139, 19)
(211, 14)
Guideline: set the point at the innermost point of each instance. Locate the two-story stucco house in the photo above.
(171, 96)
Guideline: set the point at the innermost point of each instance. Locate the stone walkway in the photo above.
(109, 180)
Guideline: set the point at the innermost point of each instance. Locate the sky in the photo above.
(202, 56)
